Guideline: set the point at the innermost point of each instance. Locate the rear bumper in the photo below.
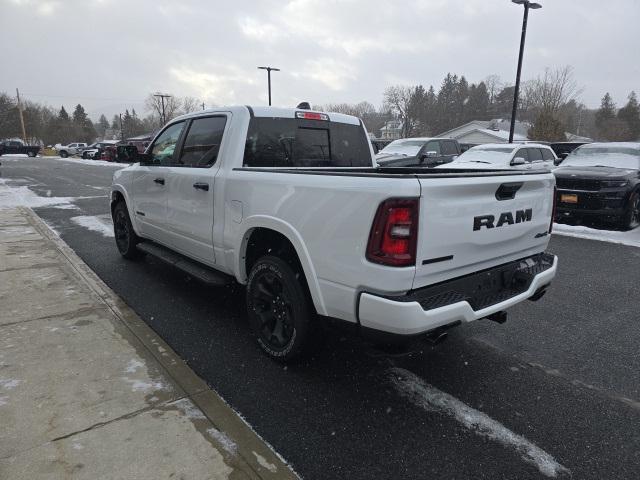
(406, 316)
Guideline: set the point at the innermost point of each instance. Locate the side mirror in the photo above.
(431, 154)
(558, 161)
(518, 161)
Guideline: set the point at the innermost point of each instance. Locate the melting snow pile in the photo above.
(631, 237)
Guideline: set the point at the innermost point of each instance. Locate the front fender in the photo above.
(286, 229)
(116, 189)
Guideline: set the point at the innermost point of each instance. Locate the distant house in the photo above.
(487, 131)
(392, 130)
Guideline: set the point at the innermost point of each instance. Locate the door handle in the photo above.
(201, 186)
(159, 181)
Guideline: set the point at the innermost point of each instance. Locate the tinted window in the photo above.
(432, 147)
(288, 142)
(534, 155)
(547, 154)
(522, 153)
(449, 148)
(202, 142)
(165, 145)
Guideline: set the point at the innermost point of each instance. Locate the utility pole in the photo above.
(527, 5)
(162, 97)
(203, 105)
(24, 132)
(269, 70)
(121, 130)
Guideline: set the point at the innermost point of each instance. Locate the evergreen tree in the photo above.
(630, 114)
(102, 126)
(477, 107)
(605, 116)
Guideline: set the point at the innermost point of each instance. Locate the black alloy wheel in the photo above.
(64, 154)
(631, 217)
(278, 308)
(31, 154)
(126, 238)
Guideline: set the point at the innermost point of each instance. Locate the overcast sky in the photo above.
(109, 54)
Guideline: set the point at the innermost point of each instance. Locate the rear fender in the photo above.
(286, 229)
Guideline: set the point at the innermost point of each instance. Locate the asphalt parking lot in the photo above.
(554, 392)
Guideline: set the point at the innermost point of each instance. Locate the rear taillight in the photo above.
(394, 233)
(553, 211)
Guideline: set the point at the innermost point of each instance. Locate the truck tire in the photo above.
(84, 155)
(126, 238)
(64, 154)
(31, 154)
(279, 309)
(631, 217)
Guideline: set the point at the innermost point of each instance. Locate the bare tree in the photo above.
(190, 104)
(399, 99)
(172, 106)
(494, 86)
(551, 91)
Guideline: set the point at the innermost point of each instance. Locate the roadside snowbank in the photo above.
(22, 196)
(101, 163)
(631, 237)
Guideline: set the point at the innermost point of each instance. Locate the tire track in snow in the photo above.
(424, 395)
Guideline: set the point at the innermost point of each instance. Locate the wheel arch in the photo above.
(269, 231)
(119, 194)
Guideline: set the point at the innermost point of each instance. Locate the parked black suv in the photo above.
(601, 180)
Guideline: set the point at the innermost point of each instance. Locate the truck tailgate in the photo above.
(471, 223)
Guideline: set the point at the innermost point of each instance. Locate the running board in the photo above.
(201, 272)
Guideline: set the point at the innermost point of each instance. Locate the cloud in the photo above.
(218, 87)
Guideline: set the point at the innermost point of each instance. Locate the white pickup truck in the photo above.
(290, 203)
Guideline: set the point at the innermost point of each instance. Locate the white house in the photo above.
(487, 131)
(392, 130)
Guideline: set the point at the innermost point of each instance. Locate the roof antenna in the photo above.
(304, 106)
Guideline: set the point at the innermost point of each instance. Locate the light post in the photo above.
(527, 5)
(269, 69)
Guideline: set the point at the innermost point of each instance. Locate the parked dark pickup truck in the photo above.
(9, 147)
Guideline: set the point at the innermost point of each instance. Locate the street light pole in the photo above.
(527, 5)
(269, 69)
(162, 97)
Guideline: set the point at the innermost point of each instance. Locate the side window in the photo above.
(433, 147)
(522, 153)
(449, 148)
(547, 154)
(165, 145)
(535, 155)
(202, 142)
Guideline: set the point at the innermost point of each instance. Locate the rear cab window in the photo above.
(296, 142)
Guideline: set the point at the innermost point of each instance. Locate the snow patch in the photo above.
(223, 439)
(95, 224)
(77, 446)
(134, 365)
(9, 383)
(424, 395)
(263, 462)
(11, 197)
(142, 386)
(187, 407)
(631, 238)
(99, 163)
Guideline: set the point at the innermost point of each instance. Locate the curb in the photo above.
(255, 453)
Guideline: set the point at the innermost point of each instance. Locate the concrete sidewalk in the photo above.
(88, 390)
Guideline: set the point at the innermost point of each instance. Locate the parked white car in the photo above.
(290, 203)
(71, 149)
(520, 156)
